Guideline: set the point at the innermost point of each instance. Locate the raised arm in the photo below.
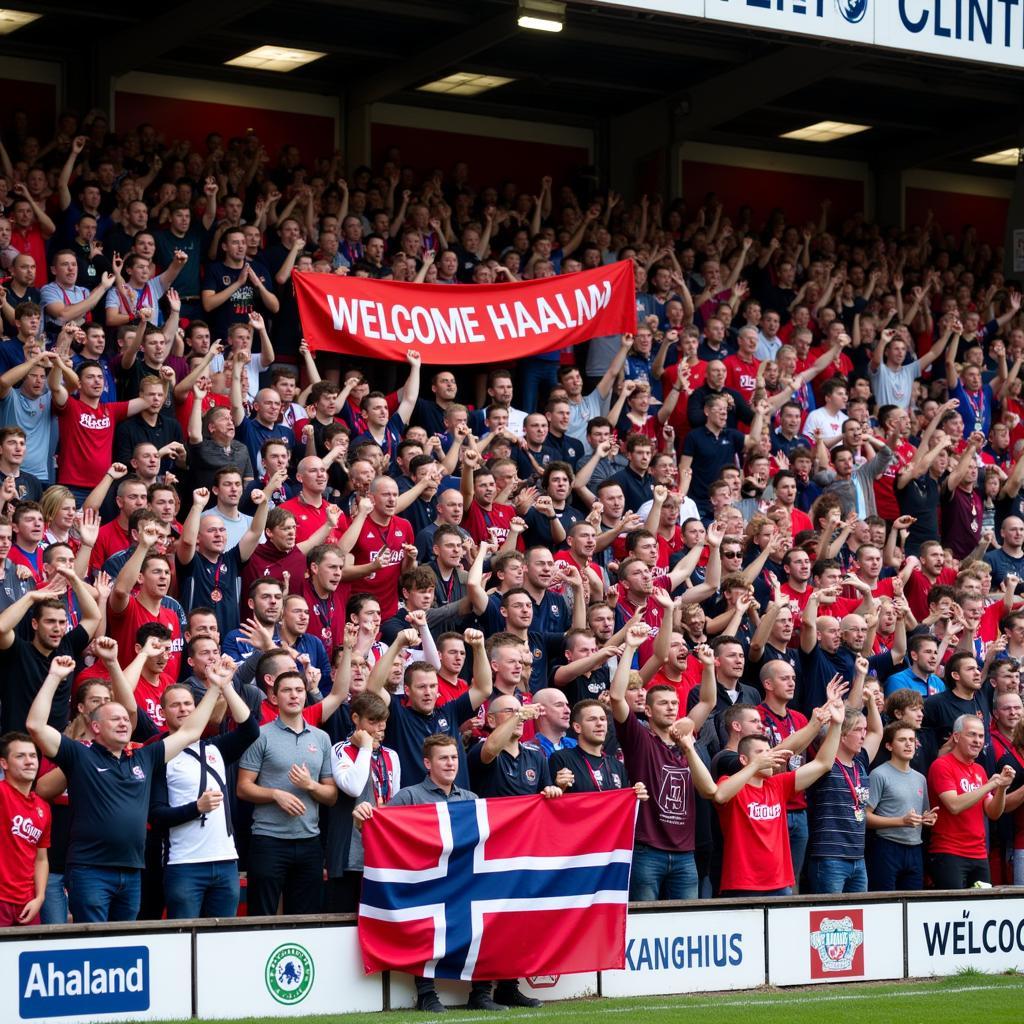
(411, 391)
(89, 619)
(808, 774)
(935, 351)
(251, 538)
(682, 731)
(381, 672)
(45, 737)
(129, 574)
(636, 634)
(64, 178)
(604, 385)
(707, 696)
(483, 684)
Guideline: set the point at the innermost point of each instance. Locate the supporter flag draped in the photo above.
(464, 324)
(505, 888)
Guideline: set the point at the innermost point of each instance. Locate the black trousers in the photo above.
(292, 868)
(343, 893)
(948, 871)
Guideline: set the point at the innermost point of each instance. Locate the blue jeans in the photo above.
(662, 875)
(797, 823)
(103, 894)
(833, 874)
(207, 889)
(537, 374)
(55, 907)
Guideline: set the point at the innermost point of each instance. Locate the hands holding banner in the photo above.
(463, 324)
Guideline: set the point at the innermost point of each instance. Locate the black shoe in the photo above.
(431, 1004)
(483, 1002)
(513, 997)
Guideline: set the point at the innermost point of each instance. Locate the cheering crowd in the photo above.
(759, 559)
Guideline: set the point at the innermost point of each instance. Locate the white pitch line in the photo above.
(590, 1009)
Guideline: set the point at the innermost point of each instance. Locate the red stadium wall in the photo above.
(39, 102)
(799, 195)
(32, 86)
(491, 158)
(954, 210)
(194, 119)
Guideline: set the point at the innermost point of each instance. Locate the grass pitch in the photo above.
(967, 998)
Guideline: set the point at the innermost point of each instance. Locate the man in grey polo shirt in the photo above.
(441, 761)
(286, 773)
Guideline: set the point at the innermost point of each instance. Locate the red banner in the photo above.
(463, 324)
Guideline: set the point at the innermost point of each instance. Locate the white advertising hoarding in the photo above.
(986, 31)
(123, 977)
(817, 944)
(282, 972)
(948, 937)
(703, 951)
(843, 20)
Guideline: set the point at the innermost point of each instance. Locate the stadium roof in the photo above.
(718, 83)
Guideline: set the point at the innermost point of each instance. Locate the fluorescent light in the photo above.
(1004, 158)
(275, 58)
(539, 24)
(463, 83)
(11, 21)
(825, 131)
(541, 15)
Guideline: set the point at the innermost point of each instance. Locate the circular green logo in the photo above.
(289, 974)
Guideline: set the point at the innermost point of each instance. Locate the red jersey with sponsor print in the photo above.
(963, 834)
(147, 696)
(24, 829)
(741, 376)
(373, 538)
(86, 440)
(756, 835)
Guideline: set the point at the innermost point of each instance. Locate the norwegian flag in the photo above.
(503, 888)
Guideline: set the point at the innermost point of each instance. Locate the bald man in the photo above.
(386, 539)
(1007, 711)
(553, 724)
(309, 505)
(264, 423)
(830, 647)
(1009, 558)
